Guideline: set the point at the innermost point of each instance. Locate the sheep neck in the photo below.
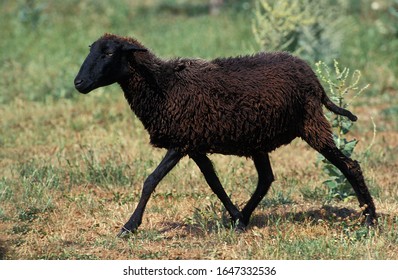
(142, 89)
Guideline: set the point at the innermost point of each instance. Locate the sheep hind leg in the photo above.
(206, 167)
(265, 179)
(317, 133)
(169, 161)
(352, 171)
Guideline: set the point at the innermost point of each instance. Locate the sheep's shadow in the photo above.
(326, 213)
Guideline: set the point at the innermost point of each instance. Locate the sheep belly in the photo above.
(230, 130)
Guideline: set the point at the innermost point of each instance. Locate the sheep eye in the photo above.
(109, 54)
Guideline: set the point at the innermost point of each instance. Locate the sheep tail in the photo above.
(336, 109)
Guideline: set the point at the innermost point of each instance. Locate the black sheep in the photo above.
(245, 106)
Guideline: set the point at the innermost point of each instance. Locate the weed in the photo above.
(341, 85)
(302, 27)
(211, 217)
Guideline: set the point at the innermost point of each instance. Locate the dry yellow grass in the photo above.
(184, 220)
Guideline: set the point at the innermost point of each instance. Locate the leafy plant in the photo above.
(341, 84)
(207, 217)
(307, 28)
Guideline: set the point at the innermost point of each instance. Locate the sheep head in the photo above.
(106, 63)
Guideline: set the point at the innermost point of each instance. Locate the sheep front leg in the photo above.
(206, 167)
(169, 161)
(265, 179)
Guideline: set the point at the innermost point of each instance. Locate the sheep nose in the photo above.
(78, 82)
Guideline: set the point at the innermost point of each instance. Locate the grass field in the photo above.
(72, 166)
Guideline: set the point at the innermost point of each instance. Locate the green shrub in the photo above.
(341, 84)
(307, 28)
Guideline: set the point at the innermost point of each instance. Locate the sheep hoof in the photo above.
(240, 227)
(124, 233)
(240, 230)
(369, 221)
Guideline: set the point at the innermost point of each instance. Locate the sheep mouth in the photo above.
(84, 87)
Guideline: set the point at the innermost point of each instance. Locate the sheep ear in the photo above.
(133, 48)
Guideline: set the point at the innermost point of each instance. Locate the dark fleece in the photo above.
(235, 106)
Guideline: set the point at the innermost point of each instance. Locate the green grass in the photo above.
(48, 48)
(72, 166)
